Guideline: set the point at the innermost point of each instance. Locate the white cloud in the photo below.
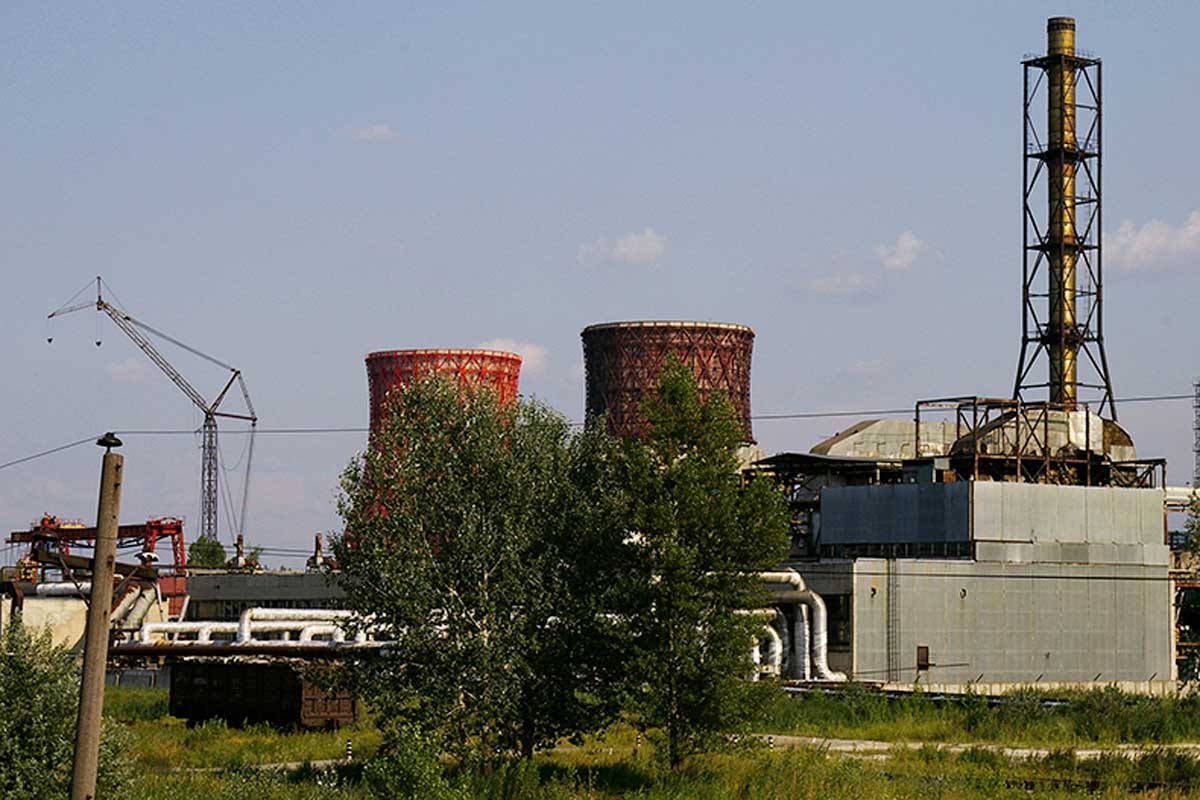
(902, 254)
(375, 133)
(1154, 245)
(641, 249)
(637, 249)
(594, 254)
(533, 356)
(844, 284)
(131, 370)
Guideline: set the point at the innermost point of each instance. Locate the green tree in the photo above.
(1191, 526)
(483, 538)
(701, 533)
(206, 553)
(39, 697)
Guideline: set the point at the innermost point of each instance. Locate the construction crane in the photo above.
(210, 453)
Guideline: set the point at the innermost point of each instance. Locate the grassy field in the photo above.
(212, 762)
(1098, 717)
(162, 743)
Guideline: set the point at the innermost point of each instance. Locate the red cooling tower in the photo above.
(472, 368)
(623, 359)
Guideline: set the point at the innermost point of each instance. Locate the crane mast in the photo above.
(210, 454)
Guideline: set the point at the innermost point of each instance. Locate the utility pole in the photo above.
(95, 648)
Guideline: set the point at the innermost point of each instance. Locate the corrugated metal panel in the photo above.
(895, 513)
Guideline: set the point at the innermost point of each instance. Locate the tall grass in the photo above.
(802, 774)
(617, 766)
(1100, 716)
(126, 703)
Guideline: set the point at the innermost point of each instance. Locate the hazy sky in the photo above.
(290, 186)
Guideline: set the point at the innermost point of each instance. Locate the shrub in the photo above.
(407, 767)
(38, 695)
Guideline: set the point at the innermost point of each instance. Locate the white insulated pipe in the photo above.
(203, 630)
(820, 637)
(310, 632)
(1178, 498)
(287, 614)
(122, 610)
(801, 654)
(756, 645)
(64, 589)
(141, 606)
(774, 651)
(819, 643)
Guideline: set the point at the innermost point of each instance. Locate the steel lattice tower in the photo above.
(1062, 297)
(1196, 433)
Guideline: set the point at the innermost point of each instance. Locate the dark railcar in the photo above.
(249, 692)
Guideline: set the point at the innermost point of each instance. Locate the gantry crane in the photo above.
(210, 454)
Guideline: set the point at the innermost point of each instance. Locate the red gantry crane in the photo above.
(210, 455)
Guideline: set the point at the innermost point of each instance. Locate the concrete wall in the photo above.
(1012, 622)
(66, 617)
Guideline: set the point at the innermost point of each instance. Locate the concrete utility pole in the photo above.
(95, 649)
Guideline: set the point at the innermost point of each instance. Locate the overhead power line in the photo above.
(304, 431)
(51, 451)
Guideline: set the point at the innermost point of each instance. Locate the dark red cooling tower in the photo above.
(623, 360)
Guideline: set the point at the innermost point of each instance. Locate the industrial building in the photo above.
(1003, 540)
(983, 541)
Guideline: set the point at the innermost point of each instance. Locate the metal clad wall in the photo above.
(1016, 622)
(1021, 522)
(905, 512)
(1031, 512)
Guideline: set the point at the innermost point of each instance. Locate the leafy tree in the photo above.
(484, 538)
(206, 553)
(701, 533)
(1191, 526)
(39, 696)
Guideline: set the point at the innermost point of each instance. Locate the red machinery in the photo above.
(53, 533)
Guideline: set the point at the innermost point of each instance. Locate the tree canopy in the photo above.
(484, 538)
(535, 581)
(701, 532)
(206, 553)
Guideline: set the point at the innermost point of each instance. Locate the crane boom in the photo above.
(210, 454)
(125, 323)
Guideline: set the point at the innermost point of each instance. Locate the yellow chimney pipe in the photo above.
(1063, 347)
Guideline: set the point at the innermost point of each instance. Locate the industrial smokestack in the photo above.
(1062, 252)
(1062, 292)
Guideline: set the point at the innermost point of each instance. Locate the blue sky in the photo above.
(290, 186)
